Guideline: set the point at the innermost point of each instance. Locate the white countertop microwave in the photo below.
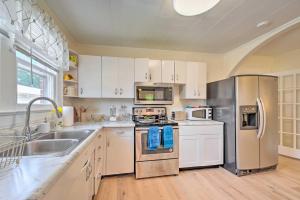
(199, 113)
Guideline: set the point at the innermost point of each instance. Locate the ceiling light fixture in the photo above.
(193, 7)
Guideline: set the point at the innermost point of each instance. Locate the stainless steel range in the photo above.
(161, 161)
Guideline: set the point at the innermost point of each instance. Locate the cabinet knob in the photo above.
(99, 159)
(116, 91)
(99, 147)
(146, 76)
(121, 91)
(198, 92)
(100, 136)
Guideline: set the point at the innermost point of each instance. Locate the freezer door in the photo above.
(247, 143)
(269, 138)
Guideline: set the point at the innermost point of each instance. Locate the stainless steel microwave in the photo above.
(153, 94)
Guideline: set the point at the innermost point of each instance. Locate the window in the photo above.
(36, 81)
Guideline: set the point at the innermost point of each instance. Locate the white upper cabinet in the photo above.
(155, 71)
(146, 70)
(117, 77)
(202, 81)
(110, 85)
(89, 76)
(180, 72)
(195, 87)
(141, 70)
(126, 77)
(167, 71)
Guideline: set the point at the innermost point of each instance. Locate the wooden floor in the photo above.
(216, 183)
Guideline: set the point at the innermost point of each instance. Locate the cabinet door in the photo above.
(155, 71)
(211, 148)
(119, 152)
(167, 71)
(89, 76)
(110, 87)
(141, 70)
(188, 151)
(190, 88)
(202, 79)
(180, 72)
(126, 77)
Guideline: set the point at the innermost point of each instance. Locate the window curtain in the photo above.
(32, 29)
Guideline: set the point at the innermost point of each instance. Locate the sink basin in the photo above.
(79, 135)
(49, 147)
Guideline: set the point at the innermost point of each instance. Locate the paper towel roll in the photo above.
(68, 115)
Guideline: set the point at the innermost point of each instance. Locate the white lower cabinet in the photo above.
(119, 151)
(200, 146)
(77, 182)
(99, 159)
(189, 153)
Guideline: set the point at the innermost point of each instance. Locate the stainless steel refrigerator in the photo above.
(247, 104)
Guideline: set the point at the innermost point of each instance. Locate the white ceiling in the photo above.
(155, 24)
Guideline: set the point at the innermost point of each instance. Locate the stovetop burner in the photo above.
(154, 116)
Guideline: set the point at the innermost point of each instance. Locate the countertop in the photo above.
(33, 178)
(199, 123)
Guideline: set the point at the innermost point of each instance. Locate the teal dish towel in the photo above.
(153, 138)
(167, 137)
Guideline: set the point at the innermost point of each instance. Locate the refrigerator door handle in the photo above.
(265, 118)
(261, 118)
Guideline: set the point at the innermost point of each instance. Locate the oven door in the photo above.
(141, 146)
(153, 94)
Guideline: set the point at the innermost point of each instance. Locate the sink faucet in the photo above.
(27, 130)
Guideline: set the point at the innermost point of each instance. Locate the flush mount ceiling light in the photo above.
(193, 7)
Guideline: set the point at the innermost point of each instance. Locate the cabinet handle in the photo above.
(99, 159)
(121, 91)
(116, 91)
(99, 147)
(99, 136)
(81, 91)
(146, 76)
(107, 143)
(150, 77)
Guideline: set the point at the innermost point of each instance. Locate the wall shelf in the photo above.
(70, 81)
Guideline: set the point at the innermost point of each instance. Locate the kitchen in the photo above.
(187, 103)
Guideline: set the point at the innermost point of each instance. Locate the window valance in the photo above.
(30, 27)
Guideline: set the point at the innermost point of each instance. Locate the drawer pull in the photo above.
(99, 159)
(99, 147)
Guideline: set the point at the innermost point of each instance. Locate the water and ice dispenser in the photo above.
(248, 117)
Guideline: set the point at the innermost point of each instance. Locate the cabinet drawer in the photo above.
(121, 131)
(198, 130)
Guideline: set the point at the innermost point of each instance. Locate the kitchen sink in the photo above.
(79, 135)
(52, 147)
